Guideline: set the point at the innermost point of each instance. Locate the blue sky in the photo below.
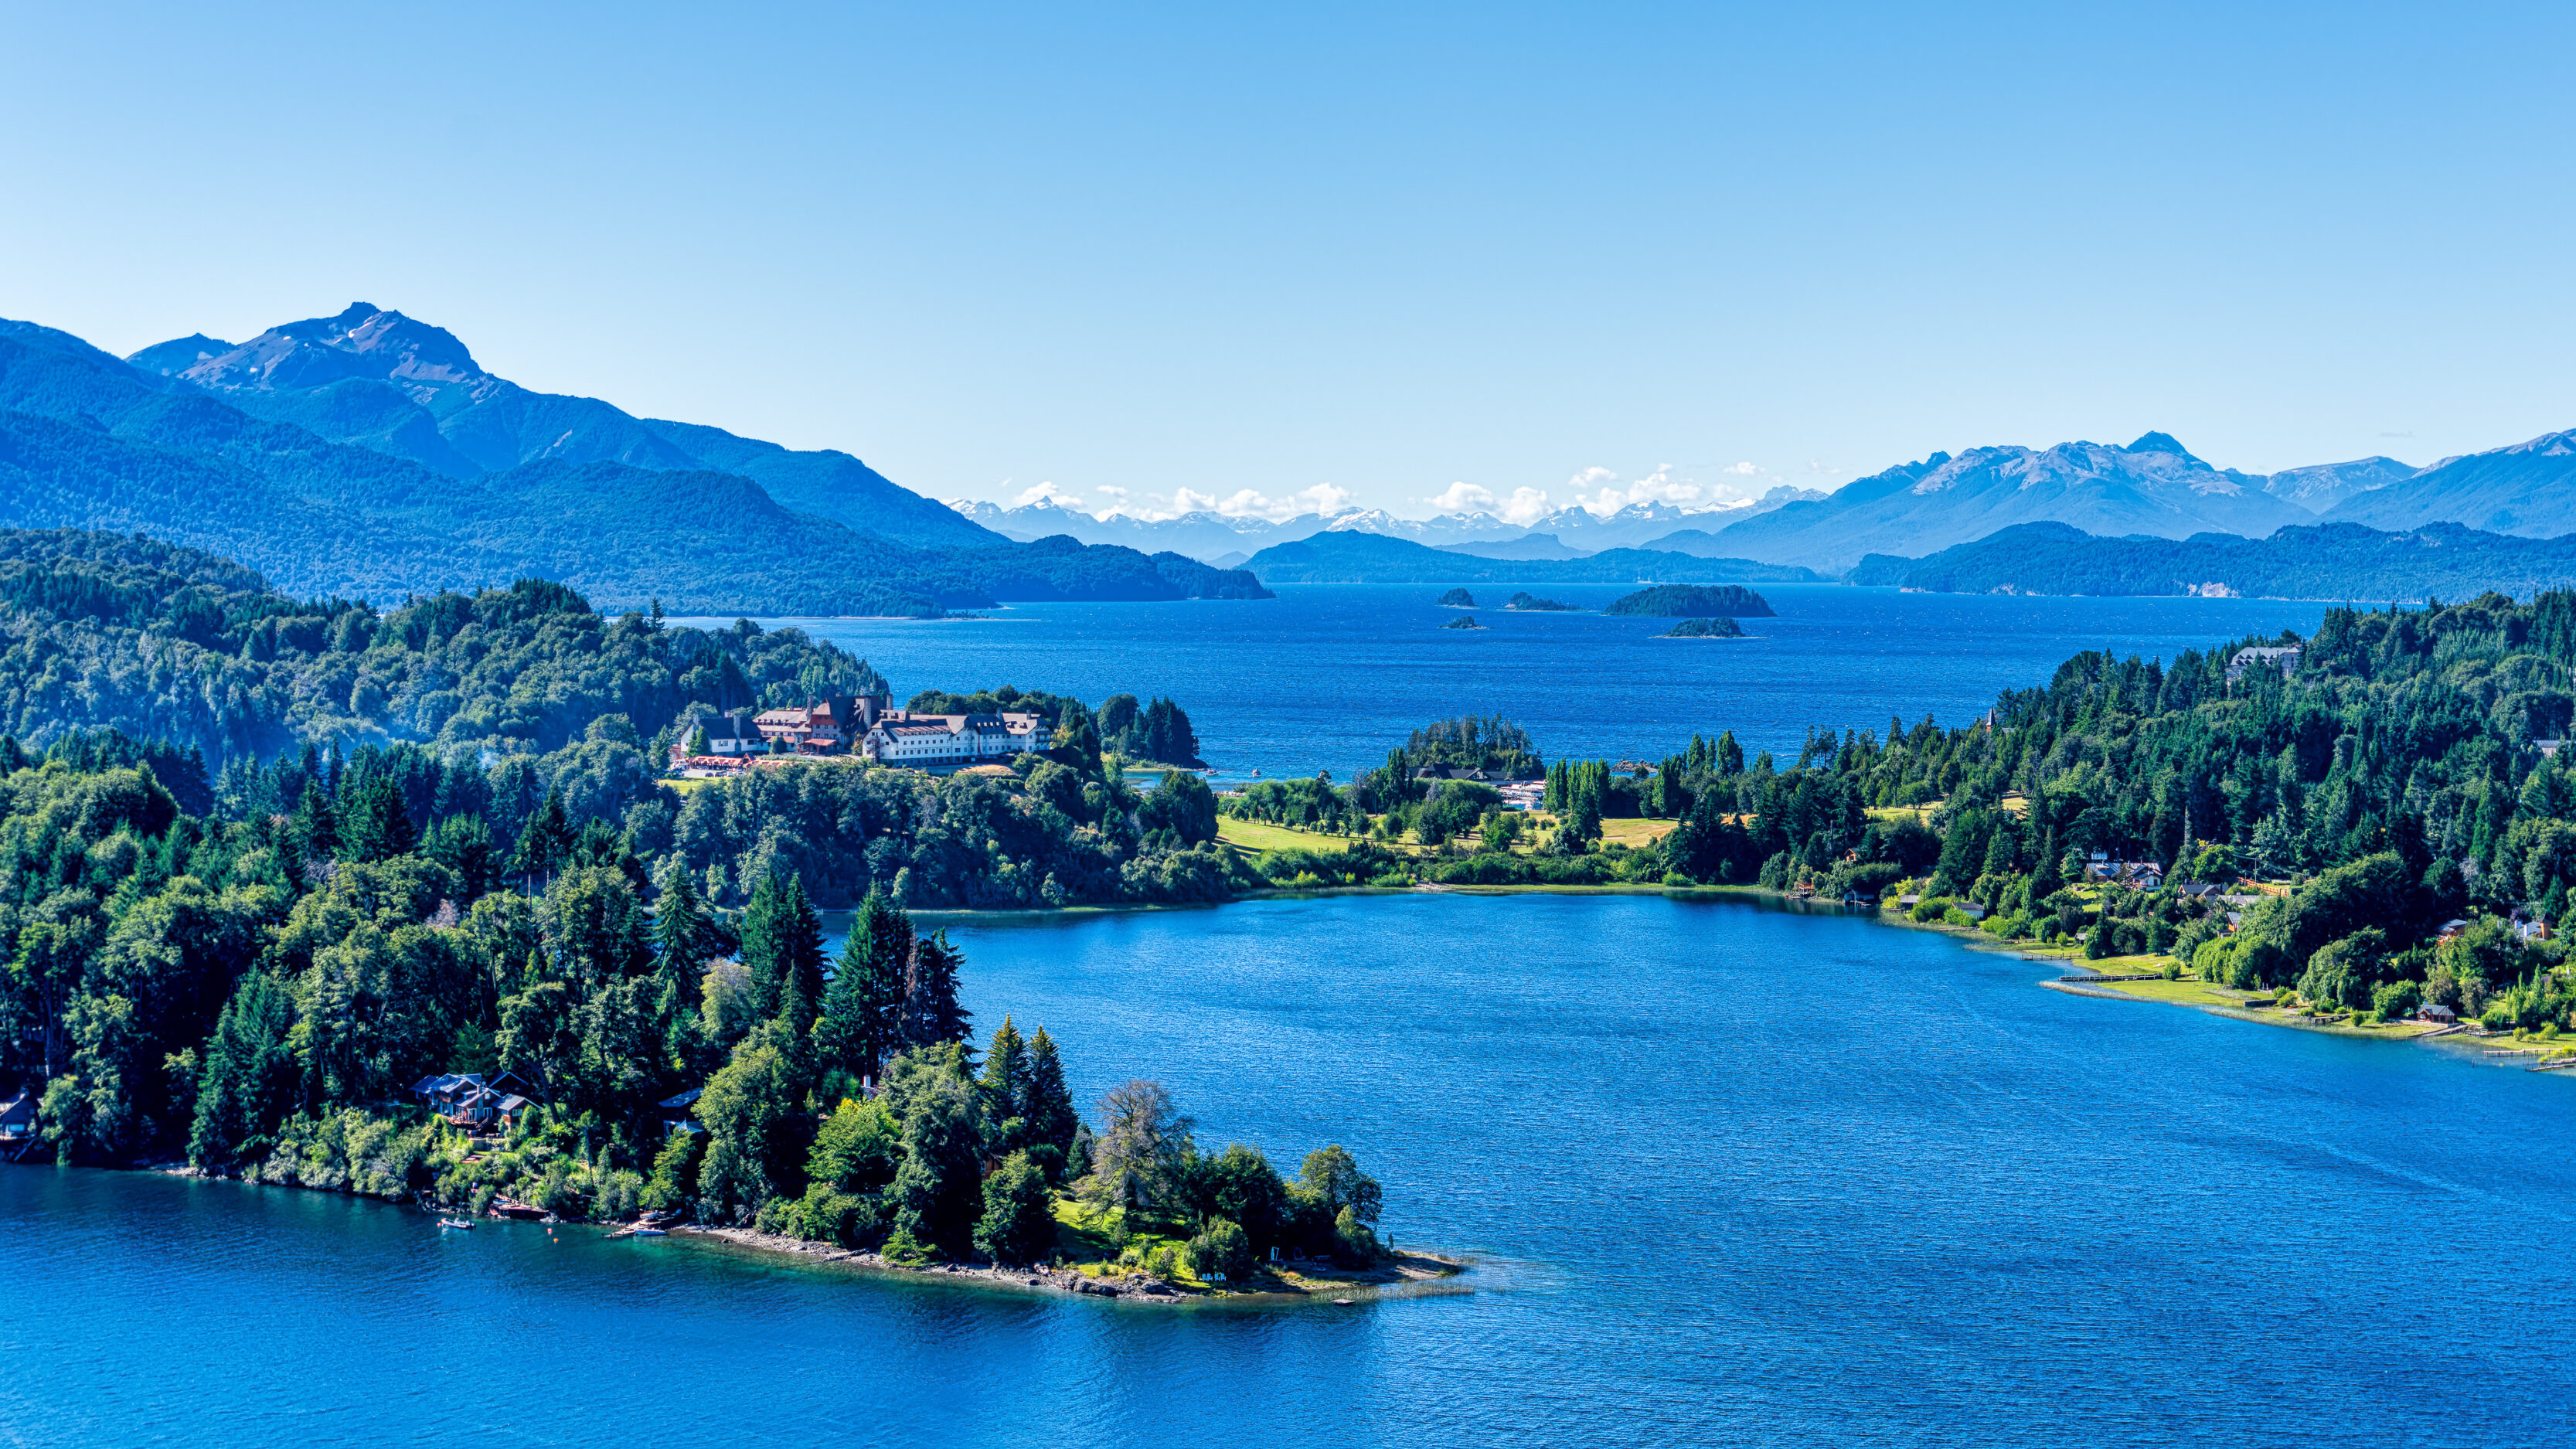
(1373, 253)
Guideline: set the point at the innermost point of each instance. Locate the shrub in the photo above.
(1354, 1242)
(1221, 1247)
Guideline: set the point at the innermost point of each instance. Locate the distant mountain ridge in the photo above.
(2345, 562)
(1210, 537)
(89, 441)
(400, 386)
(2152, 486)
(1367, 558)
(2527, 490)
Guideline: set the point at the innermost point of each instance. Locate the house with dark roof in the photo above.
(474, 1100)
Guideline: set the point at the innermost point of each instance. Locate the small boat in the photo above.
(652, 1232)
(456, 1223)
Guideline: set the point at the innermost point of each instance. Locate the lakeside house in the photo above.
(2145, 875)
(475, 1101)
(2436, 1011)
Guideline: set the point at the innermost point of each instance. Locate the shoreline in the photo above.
(1407, 1275)
(1285, 1285)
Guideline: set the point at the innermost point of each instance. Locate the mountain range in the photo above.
(2338, 561)
(1345, 557)
(367, 456)
(1225, 540)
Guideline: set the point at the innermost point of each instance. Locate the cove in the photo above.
(1735, 1171)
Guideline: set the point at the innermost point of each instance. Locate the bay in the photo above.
(1334, 676)
(1733, 1173)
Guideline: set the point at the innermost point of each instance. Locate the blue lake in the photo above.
(1734, 1174)
(1333, 676)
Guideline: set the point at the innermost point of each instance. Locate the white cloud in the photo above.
(1048, 493)
(1525, 507)
(1242, 503)
(1657, 487)
(1461, 498)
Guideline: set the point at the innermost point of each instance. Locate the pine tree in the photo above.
(800, 980)
(1006, 1075)
(862, 1020)
(379, 828)
(546, 840)
(680, 930)
(764, 949)
(932, 1014)
(317, 824)
(1049, 1105)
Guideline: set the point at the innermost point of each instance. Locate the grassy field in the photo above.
(1260, 838)
(1636, 834)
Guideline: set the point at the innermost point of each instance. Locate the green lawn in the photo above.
(1261, 838)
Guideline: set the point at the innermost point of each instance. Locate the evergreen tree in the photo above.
(546, 840)
(800, 979)
(764, 946)
(1006, 1075)
(863, 1008)
(463, 843)
(317, 826)
(379, 828)
(1048, 1107)
(932, 1015)
(1730, 755)
(250, 1074)
(681, 935)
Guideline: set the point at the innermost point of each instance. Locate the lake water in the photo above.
(1333, 676)
(1734, 1174)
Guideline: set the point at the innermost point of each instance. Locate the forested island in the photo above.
(1717, 628)
(1525, 602)
(1457, 599)
(1674, 601)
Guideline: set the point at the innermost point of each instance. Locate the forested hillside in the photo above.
(2325, 561)
(175, 644)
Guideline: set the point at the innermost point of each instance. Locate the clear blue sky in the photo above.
(1387, 249)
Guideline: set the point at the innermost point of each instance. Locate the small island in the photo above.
(1457, 599)
(1675, 601)
(1529, 603)
(1463, 621)
(1718, 628)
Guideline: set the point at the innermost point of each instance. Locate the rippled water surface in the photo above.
(1734, 1175)
(1332, 676)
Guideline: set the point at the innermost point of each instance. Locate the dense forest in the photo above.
(178, 645)
(274, 994)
